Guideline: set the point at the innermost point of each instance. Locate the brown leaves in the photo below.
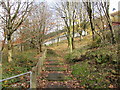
(68, 83)
(111, 86)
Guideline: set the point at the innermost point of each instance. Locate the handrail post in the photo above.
(41, 62)
(39, 66)
(44, 56)
(33, 78)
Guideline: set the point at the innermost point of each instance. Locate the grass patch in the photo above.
(68, 78)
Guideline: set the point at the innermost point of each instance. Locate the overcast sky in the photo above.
(113, 3)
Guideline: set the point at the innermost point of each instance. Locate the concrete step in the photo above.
(54, 63)
(52, 60)
(59, 87)
(56, 77)
(55, 69)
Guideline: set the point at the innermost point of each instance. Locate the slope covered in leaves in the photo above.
(93, 65)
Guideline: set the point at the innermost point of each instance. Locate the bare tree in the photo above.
(103, 16)
(40, 18)
(105, 7)
(13, 15)
(90, 10)
(82, 23)
(101, 19)
(67, 11)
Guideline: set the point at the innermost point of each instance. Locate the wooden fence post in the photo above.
(33, 78)
(36, 71)
(39, 66)
(41, 62)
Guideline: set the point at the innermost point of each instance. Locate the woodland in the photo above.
(81, 39)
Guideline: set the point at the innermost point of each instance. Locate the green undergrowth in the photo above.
(89, 76)
(22, 62)
(97, 67)
(51, 53)
(71, 57)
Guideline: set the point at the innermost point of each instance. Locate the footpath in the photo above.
(56, 74)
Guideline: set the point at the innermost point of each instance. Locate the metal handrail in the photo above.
(15, 76)
(33, 73)
(30, 72)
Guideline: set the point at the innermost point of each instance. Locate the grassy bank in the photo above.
(93, 64)
(22, 62)
(97, 68)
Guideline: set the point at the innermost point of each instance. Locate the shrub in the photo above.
(70, 58)
(80, 70)
(102, 59)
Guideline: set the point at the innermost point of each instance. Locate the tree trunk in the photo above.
(92, 28)
(112, 33)
(80, 33)
(70, 44)
(21, 47)
(57, 41)
(110, 25)
(68, 39)
(91, 17)
(40, 45)
(73, 43)
(73, 35)
(9, 50)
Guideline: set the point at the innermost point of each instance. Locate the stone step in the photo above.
(54, 63)
(53, 87)
(55, 69)
(56, 77)
(52, 60)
